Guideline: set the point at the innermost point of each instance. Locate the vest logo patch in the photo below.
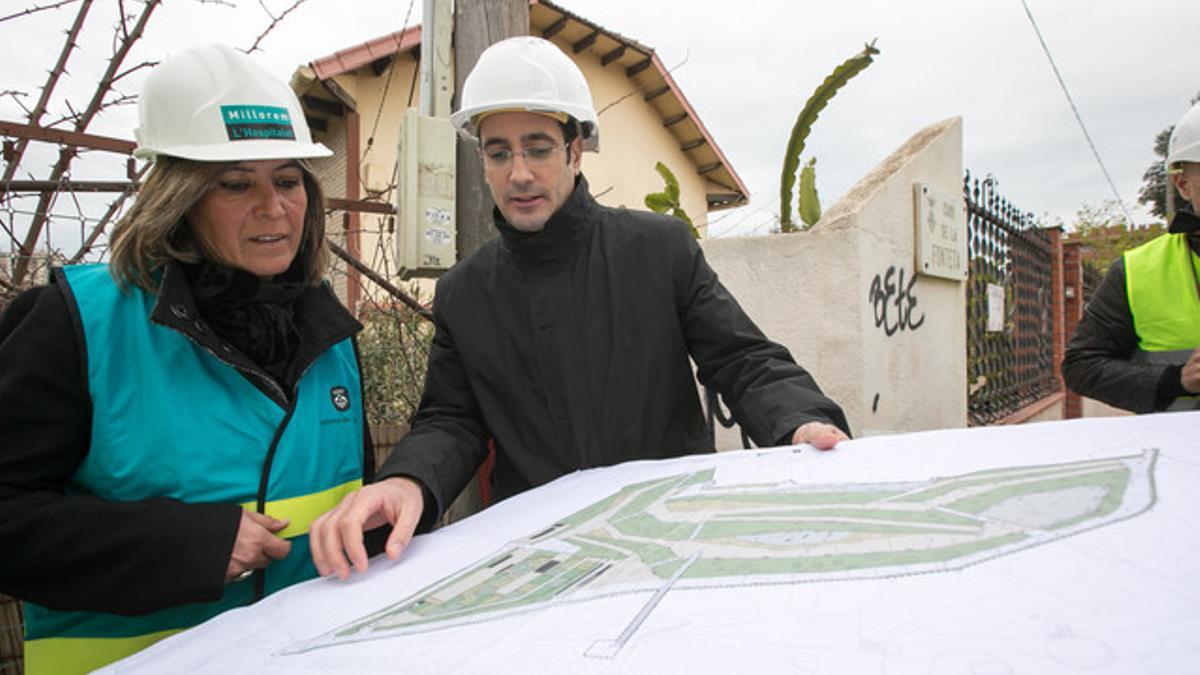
(340, 397)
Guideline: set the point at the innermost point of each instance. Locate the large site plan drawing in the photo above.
(682, 532)
(1059, 548)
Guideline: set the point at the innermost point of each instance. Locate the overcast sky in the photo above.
(748, 67)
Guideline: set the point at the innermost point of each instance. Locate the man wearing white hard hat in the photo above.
(567, 338)
(1138, 345)
(172, 420)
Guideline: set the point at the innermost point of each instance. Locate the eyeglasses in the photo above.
(501, 159)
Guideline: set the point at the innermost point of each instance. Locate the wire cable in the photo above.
(1075, 110)
(387, 85)
(745, 217)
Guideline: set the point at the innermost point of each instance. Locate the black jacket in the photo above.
(570, 347)
(82, 552)
(1098, 364)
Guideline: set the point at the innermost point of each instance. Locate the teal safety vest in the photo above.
(171, 420)
(1162, 283)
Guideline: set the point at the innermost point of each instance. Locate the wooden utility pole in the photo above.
(436, 44)
(477, 25)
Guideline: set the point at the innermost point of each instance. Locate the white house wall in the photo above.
(812, 291)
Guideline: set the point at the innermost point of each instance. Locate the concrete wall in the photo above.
(812, 291)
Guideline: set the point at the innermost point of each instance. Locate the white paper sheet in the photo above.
(916, 553)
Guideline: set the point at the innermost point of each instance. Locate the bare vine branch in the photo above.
(16, 97)
(123, 99)
(36, 8)
(3, 225)
(39, 109)
(75, 114)
(120, 100)
(383, 283)
(65, 156)
(130, 71)
(123, 16)
(274, 22)
(113, 208)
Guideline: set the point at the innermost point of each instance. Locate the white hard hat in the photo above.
(527, 74)
(1185, 139)
(215, 104)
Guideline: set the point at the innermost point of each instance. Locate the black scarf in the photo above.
(1185, 220)
(563, 235)
(255, 315)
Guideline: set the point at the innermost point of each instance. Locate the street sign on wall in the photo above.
(941, 233)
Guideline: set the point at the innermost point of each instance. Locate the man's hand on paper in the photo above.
(822, 436)
(336, 538)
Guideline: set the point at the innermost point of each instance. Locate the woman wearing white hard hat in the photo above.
(172, 420)
(1138, 344)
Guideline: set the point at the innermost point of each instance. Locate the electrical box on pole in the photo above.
(426, 231)
(425, 197)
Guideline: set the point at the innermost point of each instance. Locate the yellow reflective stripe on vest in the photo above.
(67, 656)
(81, 655)
(302, 510)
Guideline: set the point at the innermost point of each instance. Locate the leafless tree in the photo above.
(128, 28)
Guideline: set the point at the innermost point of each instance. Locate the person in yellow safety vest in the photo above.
(173, 420)
(1138, 344)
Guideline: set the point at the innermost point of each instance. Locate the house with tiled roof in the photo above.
(355, 100)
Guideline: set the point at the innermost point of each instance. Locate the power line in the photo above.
(1075, 110)
(387, 85)
(745, 217)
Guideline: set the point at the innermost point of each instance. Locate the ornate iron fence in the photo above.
(1010, 368)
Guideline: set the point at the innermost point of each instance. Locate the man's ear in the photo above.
(576, 155)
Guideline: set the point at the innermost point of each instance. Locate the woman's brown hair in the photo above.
(156, 229)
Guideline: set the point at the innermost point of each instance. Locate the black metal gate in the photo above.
(1010, 368)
